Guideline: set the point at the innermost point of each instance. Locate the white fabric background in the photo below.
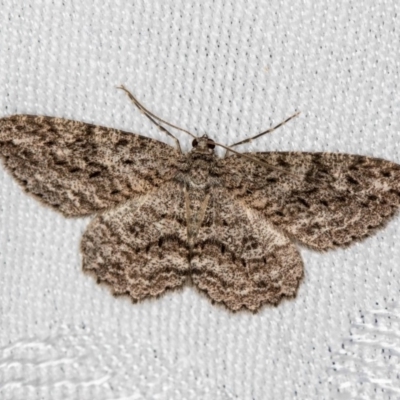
(228, 68)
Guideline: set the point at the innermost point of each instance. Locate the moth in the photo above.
(228, 225)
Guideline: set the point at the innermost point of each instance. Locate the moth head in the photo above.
(203, 144)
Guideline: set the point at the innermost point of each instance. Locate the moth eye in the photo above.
(211, 145)
(195, 143)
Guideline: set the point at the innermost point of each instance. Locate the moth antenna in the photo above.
(267, 131)
(152, 116)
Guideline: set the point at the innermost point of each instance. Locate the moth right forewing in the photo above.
(79, 168)
(325, 200)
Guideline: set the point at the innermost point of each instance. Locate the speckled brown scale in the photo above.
(79, 168)
(162, 217)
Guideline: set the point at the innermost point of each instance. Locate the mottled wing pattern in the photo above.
(140, 248)
(145, 247)
(240, 259)
(323, 200)
(78, 168)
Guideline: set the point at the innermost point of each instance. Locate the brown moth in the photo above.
(162, 217)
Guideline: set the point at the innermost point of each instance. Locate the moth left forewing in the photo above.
(78, 168)
(323, 200)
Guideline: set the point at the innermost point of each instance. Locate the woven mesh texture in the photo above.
(230, 68)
